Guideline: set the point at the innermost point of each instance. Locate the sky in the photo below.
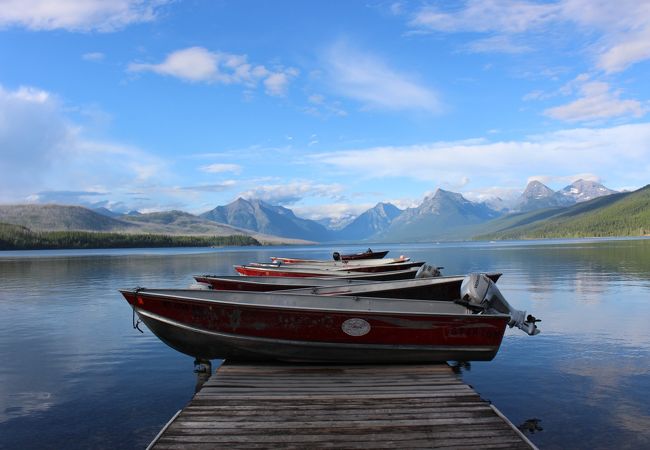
(325, 107)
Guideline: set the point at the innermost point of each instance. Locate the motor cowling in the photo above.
(480, 294)
(427, 271)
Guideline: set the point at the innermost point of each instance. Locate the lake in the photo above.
(75, 374)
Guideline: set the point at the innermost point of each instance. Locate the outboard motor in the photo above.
(427, 271)
(336, 256)
(480, 294)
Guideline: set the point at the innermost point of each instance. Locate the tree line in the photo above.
(16, 237)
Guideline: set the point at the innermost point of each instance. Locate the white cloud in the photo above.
(622, 28)
(32, 134)
(218, 187)
(621, 152)
(369, 80)
(320, 106)
(29, 95)
(596, 102)
(292, 192)
(629, 50)
(565, 180)
(77, 15)
(197, 64)
(93, 56)
(506, 195)
(221, 168)
(316, 99)
(503, 16)
(36, 137)
(277, 83)
(339, 212)
(191, 64)
(497, 44)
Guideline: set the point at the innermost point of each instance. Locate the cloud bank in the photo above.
(78, 15)
(199, 65)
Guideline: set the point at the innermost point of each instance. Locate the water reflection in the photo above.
(530, 426)
(203, 371)
(460, 367)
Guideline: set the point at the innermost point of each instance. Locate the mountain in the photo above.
(584, 190)
(106, 212)
(444, 215)
(78, 218)
(179, 222)
(539, 196)
(373, 221)
(61, 218)
(257, 215)
(619, 214)
(336, 223)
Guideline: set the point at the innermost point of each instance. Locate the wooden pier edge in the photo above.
(514, 428)
(162, 430)
(284, 405)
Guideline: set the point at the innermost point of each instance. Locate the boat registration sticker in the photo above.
(355, 327)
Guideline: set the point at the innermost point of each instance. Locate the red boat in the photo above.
(316, 263)
(270, 270)
(253, 326)
(268, 284)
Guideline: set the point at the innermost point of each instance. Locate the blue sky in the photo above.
(324, 107)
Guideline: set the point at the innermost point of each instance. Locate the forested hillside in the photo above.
(624, 214)
(16, 237)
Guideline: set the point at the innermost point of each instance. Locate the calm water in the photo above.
(74, 373)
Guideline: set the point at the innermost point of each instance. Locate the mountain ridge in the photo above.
(51, 217)
(443, 215)
(619, 214)
(257, 215)
(371, 222)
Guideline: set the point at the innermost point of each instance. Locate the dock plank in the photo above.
(328, 406)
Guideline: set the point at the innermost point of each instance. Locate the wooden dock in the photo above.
(316, 406)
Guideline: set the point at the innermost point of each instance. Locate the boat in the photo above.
(336, 256)
(277, 262)
(368, 254)
(261, 326)
(296, 260)
(270, 270)
(438, 288)
(316, 264)
(275, 283)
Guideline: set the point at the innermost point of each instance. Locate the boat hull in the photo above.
(221, 330)
(364, 255)
(437, 288)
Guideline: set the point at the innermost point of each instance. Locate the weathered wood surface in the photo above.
(343, 407)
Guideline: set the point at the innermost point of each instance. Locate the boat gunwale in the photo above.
(348, 299)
